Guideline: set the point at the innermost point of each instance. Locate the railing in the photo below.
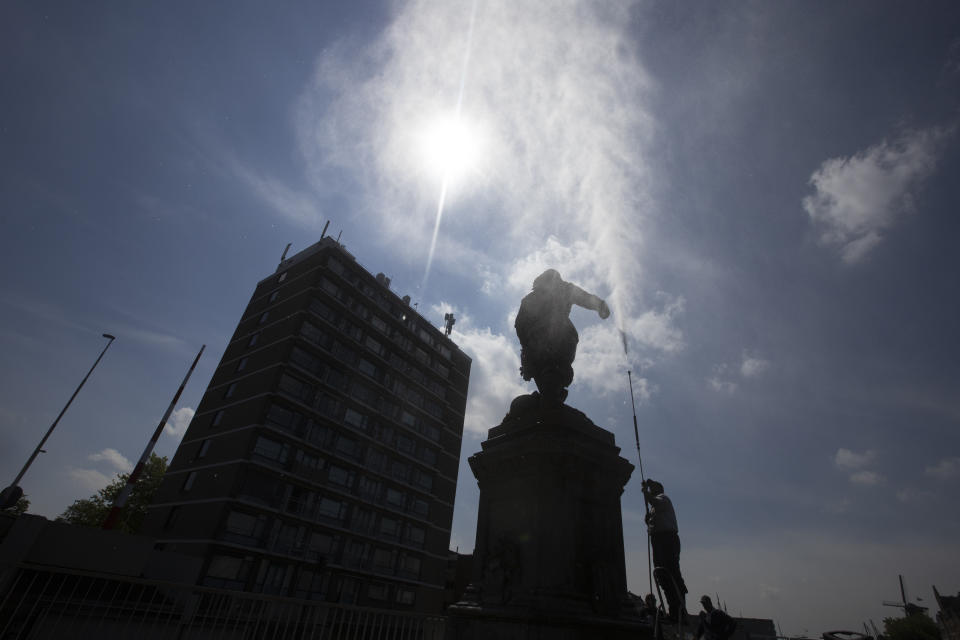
(38, 604)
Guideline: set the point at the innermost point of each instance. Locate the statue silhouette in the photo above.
(548, 340)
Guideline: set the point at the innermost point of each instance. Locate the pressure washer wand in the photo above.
(643, 481)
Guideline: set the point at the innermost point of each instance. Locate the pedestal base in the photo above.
(549, 559)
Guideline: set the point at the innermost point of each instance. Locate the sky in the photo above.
(760, 190)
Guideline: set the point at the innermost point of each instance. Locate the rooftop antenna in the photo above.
(338, 236)
(324, 232)
(284, 256)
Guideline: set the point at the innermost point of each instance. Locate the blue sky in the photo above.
(762, 191)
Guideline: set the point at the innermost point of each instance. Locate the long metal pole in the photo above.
(121, 500)
(36, 451)
(646, 507)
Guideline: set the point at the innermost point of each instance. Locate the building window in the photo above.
(253, 339)
(420, 507)
(217, 417)
(331, 509)
(330, 287)
(297, 389)
(377, 591)
(348, 447)
(374, 346)
(230, 390)
(369, 488)
(409, 566)
(379, 324)
(263, 317)
(416, 535)
(445, 352)
(423, 480)
(283, 276)
(406, 445)
(307, 462)
(355, 419)
(395, 498)
(242, 364)
(319, 544)
(323, 311)
(271, 450)
(383, 560)
(172, 516)
(429, 456)
(405, 596)
(244, 528)
(340, 476)
(400, 470)
(367, 367)
(389, 527)
(227, 571)
(204, 447)
(431, 432)
(274, 295)
(188, 483)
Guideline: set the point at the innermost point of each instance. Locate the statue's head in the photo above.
(547, 280)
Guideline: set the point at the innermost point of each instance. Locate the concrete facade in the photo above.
(322, 460)
(549, 558)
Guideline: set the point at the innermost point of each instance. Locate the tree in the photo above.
(918, 626)
(21, 506)
(93, 511)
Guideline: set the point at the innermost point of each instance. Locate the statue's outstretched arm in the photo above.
(586, 300)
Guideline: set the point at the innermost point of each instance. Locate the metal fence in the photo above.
(42, 603)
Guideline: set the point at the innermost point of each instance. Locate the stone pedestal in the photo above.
(549, 559)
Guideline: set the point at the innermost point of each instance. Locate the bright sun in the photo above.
(450, 148)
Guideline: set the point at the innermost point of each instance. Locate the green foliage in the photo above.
(21, 507)
(918, 626)
(93, 511)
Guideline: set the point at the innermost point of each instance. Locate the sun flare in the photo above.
(450, 148)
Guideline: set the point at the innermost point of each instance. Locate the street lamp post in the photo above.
(10, 495)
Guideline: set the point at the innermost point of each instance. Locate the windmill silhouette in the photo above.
(909, 608)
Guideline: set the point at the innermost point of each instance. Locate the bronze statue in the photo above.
(548, 340)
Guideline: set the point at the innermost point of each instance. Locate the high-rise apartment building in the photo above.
(322, 460)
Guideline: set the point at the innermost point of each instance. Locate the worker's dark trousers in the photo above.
(666, 554)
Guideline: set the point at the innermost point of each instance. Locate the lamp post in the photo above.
(10, 495)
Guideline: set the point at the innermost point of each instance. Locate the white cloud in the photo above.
(112, 457)
(566, 128)
(866, 478)
(847, 459)
(856, 199)
(601, 365)
(656, 329)
(769, 592)
(299, 207)
(909, 495)
(945, 469)
(90, 480)
(179, 421)
(856, 464)
(752, 366)
(494, 377)
(720, 385)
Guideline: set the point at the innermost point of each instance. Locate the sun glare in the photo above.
(450, 148)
